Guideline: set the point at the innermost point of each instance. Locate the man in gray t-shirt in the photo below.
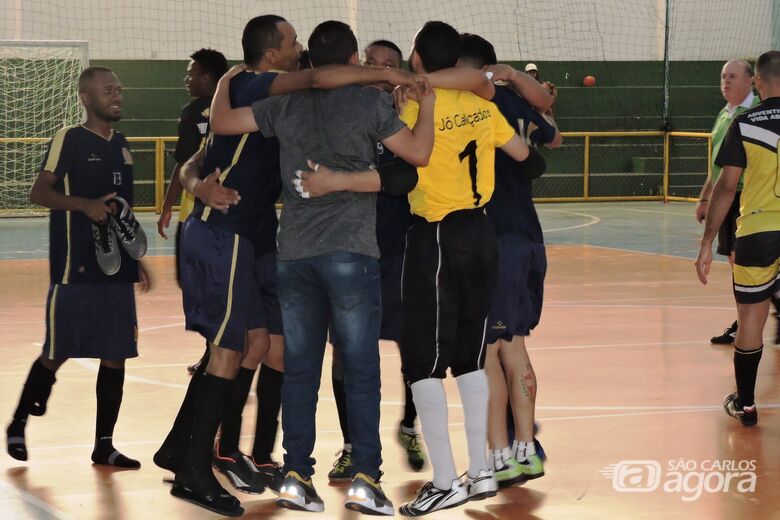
(338, 128)
(328, 257)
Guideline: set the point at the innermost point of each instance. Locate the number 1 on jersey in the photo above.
(470, 151)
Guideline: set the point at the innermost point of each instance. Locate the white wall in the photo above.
(520, 29)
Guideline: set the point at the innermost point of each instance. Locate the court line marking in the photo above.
(660, 410)
(637, 306)
(594, 220)
(35, 501)
(660, 212)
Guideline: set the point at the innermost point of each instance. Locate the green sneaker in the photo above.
(342, 468)
(414, 452)
(532, 467)
(510, 473)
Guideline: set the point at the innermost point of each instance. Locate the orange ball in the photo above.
(589, 81)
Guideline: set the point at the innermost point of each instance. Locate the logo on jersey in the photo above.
(93, 158)
(206, 112)
(126, 154)
(117, 178)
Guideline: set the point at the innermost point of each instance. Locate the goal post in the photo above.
(38, 96)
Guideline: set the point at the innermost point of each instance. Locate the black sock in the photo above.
(776, 303)
(210, 401)
(108, 390)
(340, 394)
(410, 412)
(32, 401)
(233, 408)
(745, 370)
(269, 401)
(37, 390)
(174, 448)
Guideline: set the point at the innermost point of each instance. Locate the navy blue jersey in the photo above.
(393, 216)
(193, 122)
(511, 208)
(86, 165)
(249, 164)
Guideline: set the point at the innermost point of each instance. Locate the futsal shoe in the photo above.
(127, 228)
(204, 490)
(342, 469)
(241, 471)
(14, 440)
(727, 338)
(271, 475)
(431, 498)
(365, 495)
(106, 249)
(532, 467)
(747, 415)
(414, 452)
(508, 472)
(299, 494)
(482, 486)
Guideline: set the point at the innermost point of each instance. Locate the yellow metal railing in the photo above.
(160, 142)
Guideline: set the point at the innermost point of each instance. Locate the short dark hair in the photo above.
(304, 62)
(477, 50)
(260, 34)
(89, 73)
(768, 66)
(438, 45)
(332, 42)
(388, 45)
(213, 62)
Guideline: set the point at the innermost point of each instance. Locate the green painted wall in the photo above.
(627, 96)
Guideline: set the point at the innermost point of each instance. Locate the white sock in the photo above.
(473, 389)
(523, 449)
(507, 453)
(431, 403)
(408, 431)
(497, 459)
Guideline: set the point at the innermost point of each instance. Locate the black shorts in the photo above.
(266, 312)
(85, 320)
(390, 269)
(756, 266)
(727, 234)
(218, 284)
(517, 301)
(448, 279)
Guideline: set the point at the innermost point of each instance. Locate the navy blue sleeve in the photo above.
(60, 155)
(189, 135)
(263, 84)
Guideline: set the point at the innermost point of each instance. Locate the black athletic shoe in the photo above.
(14, 440)
(204, 490)
(365, 495)
(747, 415)
(127, 228)
(271, 474)
(727, 338)
(298, 493)
(106, 249)
(240, 470)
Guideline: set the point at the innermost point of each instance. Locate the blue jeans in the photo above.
(342, 289)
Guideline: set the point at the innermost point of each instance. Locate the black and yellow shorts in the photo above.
(756, 266)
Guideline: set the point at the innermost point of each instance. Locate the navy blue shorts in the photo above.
(218, 283)
(266, 312)
(91, 320)
(390, 270)
(517, 299)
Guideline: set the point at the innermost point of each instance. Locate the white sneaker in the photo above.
(431, 499)
(483, 486)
